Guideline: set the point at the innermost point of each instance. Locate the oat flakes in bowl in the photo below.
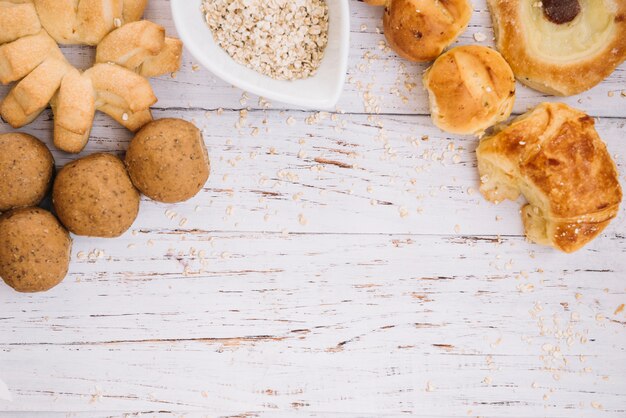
(304, 68)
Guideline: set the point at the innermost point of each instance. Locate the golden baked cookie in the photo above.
(93, 196)
(561, 47)
(555, 158)
(34, 250)
(26, 169)
(168, 161)
(470, 88)
(419, 30)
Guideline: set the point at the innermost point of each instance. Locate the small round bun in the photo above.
(167, 160)
(34, 250)
(93, 196)
(26, 169)
(471, 88)
(419, 30)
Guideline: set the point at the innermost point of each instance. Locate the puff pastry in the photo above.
(470, 89)
(561, 47)
(419, 30)
(555, 158)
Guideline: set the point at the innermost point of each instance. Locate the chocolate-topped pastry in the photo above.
(561, 11)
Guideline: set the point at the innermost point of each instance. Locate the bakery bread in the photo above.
(555, 158)
(168, 161)
(561, 47)
(93, 196)
(470, 88)
(419, 30)
(26, 169)
(74, 108)
(32, 94)
(142, 47)
(34, 250)
(131, 50)
(86, 22)
(17, 20)
(20, 57)
(122, 94)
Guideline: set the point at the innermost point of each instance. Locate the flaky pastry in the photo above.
(555, 158)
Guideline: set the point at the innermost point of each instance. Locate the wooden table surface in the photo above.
(335, 264)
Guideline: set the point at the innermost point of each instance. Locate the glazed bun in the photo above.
(168, 161)
(34, 250)
(561, 47)
(470, 88)
(555, 158)
(419, 30)
(93, 196)
(26, 169)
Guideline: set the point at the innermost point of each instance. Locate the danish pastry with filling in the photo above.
(561, 47)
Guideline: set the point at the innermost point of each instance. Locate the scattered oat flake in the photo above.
(430, 387)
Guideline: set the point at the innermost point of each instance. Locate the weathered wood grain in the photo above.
(346, 175)
(325, 323)
(342, 267)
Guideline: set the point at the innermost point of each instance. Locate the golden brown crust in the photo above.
(17, 20)
(93, 196)
(20, 57)
(121, 87)
(30, 96)
(470, 88)
(554, 156)
(419, 30)
(556, 76)
(167, 61)
(168, 161)
(130, 45)
(73, 108)
(133, 10)
(26, 169)
(34, 250)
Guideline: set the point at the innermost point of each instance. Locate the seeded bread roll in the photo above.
(419, 30)
(26, 169)
(34, 250)
(93, 196)
(555, 158)
(561, 47)
(470, 89)
(168, 161)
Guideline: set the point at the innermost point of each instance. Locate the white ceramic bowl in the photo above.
(321, 91)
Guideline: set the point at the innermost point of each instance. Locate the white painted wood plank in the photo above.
(369, 65)
(395, 182)
(250, 302)
(315, 322)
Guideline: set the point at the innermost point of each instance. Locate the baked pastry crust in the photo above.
(419, 30)
(561, 59)
(555, 158)
(74, 109)
(17, 20)
(470, 89)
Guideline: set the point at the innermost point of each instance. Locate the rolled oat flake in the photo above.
(283, 39)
